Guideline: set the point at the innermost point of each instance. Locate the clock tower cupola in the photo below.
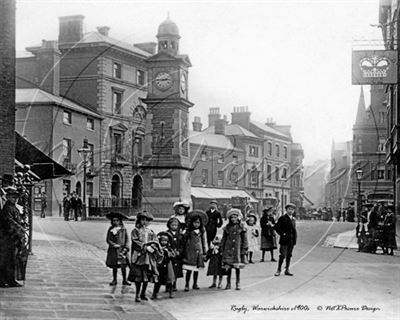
(168, 37)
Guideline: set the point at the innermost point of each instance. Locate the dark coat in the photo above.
(165, 267)
(286, 228)
(214, 256)
(195, 246)
(389, 231)
(214, 222)
(234, 245)
(117, 257)
(177, 246)
(268, 237)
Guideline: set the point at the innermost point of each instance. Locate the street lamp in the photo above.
(359, 174)
(84, 151)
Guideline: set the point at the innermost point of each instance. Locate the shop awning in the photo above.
(41, 164)
(215, 193)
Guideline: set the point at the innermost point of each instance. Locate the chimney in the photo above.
(48, 62)
(197, 124)
(241, 116)
(70, 29)
(149, 47)
(213, 116)
(270, 122)
(219, 126)
(103, 30)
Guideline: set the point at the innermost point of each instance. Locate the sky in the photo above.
(287, 60)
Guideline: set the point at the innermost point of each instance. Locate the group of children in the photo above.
(161, 258)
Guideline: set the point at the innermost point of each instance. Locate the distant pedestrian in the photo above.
(146, 251)
(286, 228)
(214, 221)
(165, 266)
(118, 247)
(234, 246)
(214, 256)
(253, 235)
(74, 206)
(195, 247)
(66, 207)
(79, 206)
(268, 237)
(174, 230)
(389, 231)
(43, 202)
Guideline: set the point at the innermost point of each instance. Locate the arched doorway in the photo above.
(116, 186)
(78, 189)
(137, 191)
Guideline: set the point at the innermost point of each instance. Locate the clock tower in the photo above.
(166, 164)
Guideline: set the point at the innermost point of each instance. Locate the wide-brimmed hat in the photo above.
(145, 214)
(11, 190)
(164, 233)
(234, 211)
(290, 205)
(251, 214)
(214, 201)
(197, 213)
(267, 209)
(181, 203)
(170, 220)
(117, 215)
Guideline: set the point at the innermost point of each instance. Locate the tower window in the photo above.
(140, 77)
(117, 70)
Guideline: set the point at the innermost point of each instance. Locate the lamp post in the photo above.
(359, 174)
(84, 151)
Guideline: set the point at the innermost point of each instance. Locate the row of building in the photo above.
(128, 105)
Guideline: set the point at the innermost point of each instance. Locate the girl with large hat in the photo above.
(118, 247)
(146, 252)
(181, 209)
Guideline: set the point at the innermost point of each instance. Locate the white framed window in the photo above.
(277, 150)
(117, 102)
(253, 151)
(67, 117)
(203, 156)
(117, 70)
(90, 124)
(140, 77)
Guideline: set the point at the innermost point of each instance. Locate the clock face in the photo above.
(183, 83)
(163, 80)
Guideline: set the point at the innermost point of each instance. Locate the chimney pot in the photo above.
(103, 30)
(70, 29)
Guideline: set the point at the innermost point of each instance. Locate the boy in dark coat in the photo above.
(286, 228)
(214, 221)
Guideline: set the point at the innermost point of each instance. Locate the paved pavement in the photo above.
(68, 280)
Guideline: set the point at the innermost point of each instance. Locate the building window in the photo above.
(140, 77)
(381, 145)
(277, 150)
(203, 156)
(269, 172)
(253, 151)
(89, 188)
(67, 151)
(204, 176)
(67, 117)
(117, 70)
(116, 102)
(234, 177)
(254, 179)
(117, 143)
(285, 155)
(284, 173)
(277, 173)
(90, 124)
(359, 145)
(389, 174)
(269, 149)
(220, 180)
(90, 156)
(220, 158)
(139, 144)
(382, 117)
(381, 173)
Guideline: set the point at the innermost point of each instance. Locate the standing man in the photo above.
(214, 221)
(43, 205)
(286, 228)
(74, 206)
(66, 206)
(79, 207)
(12, 234)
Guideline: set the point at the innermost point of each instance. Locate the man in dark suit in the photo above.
(286, 228)
(214, 221)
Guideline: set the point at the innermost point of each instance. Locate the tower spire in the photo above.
(361, 112)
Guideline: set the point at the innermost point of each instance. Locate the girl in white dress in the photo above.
(253, 234)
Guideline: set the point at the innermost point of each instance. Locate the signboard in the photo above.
(162, 183)
(374, 67)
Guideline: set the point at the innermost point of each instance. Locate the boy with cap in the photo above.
(286, 228)
(214, 221)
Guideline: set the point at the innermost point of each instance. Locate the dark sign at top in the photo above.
(374, 67)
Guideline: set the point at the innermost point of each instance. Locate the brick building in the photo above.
(369, 138)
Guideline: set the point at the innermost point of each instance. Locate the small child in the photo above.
(117, 239)
(165, 268)
(252, 235)
(234, 246)
(146, 251)
(174, 231)
(195, 247)
(215, 265)
(181, 209)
